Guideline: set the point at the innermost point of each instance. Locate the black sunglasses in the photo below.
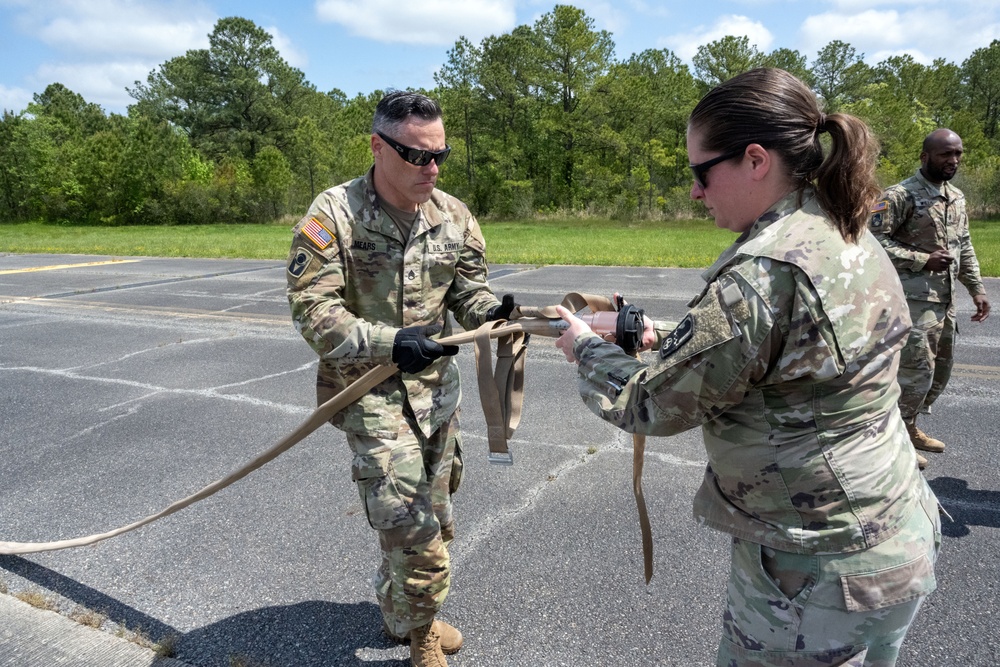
(699, 171)
(416, 156)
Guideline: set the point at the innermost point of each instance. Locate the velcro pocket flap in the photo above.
(891, 586)
(370, 466)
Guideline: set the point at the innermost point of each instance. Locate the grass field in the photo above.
(593, 242)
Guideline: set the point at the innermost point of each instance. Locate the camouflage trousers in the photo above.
(801, 610)
(925, 362)
(405, 487)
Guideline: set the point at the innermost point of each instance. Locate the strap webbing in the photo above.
(501, 394)
(501, 391)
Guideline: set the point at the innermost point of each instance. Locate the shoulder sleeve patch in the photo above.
(299, 261)
(317, 232)
(880, 206)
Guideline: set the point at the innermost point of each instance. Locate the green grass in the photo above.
(237, 241)
(589, 242)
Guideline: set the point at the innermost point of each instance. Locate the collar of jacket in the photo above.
(780, 209)
(945, 191)
(431, 213)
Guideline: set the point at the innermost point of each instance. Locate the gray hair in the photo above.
(399, 106)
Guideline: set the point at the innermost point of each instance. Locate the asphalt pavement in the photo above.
(127, 383)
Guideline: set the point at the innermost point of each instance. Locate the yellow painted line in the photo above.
(55, 267)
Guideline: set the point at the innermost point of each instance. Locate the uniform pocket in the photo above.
(891, 586)
(847, 656)
(384, 505)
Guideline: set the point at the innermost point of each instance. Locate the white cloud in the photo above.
(685, 45)
(14, 100)
(123, 27)
(884, 28)
(99, 47)
(438, 22)
(286, 47)
(854, 6)
(877, 34)
(99, 83)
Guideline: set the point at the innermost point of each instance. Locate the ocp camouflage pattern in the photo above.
(349, 299)
(790, 369)
(912, 220)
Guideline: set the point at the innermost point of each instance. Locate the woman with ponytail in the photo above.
(787, 360)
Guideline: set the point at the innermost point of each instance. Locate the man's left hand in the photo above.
(502, 310)
(982, 307)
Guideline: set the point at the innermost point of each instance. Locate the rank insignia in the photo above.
(299, 262)
(317, 233)
(678, 337)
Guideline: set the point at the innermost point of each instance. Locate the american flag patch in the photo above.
(881, 206)
(317, 233)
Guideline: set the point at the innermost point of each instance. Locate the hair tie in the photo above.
(821, 123)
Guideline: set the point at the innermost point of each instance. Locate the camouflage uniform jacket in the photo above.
(913, 219)
(788, 361)
(354, 281)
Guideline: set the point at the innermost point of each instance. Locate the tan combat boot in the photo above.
(450, 637)
(923, 441)
(425, 647)
(921, 461)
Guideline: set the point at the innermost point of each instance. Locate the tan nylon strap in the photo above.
(638, 458)
(501, 392)
(503, 417)
(320, 416)
(574, 302)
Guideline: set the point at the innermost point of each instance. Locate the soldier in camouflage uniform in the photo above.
(375, 267)
(923, 226)
(788, 361)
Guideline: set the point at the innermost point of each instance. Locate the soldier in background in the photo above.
(923, 226)
(787, 360)
(375, 267)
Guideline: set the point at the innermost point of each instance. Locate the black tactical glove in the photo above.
(502, 310)
(413, 350)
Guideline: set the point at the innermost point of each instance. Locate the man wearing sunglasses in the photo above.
(375, 267)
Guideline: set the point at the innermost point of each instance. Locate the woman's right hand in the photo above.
(576, 327)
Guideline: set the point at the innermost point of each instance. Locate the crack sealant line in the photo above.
(202, 393)
(141, 352)
(472, 539)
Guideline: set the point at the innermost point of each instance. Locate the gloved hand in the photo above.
(502, 310)
(413, 350)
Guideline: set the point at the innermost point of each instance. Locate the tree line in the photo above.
(541, 120)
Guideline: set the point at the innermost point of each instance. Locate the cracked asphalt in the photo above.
(127, 383)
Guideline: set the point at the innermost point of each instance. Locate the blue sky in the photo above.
(98, 47)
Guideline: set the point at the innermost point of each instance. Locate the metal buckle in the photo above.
(501, 458)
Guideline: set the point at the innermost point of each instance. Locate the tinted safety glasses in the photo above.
(416, 156)
(700, 170)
